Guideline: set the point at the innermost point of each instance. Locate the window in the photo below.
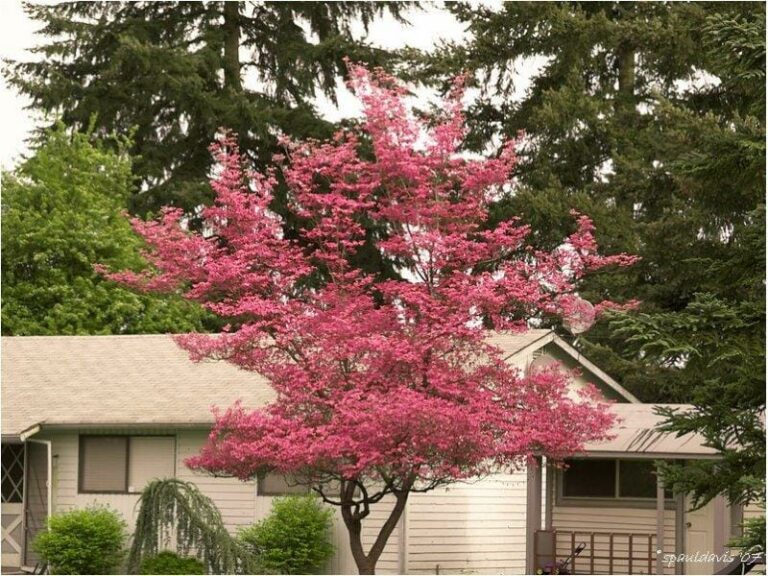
(278, 485)
(603, 479)
(124, 464)
(637, 479)
(590, 478)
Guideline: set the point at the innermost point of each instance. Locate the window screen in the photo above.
(103, 463)
(13, 473)
(278, 485)
(590, 478)
(150, 457)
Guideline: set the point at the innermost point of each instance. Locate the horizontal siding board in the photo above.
(477, 527)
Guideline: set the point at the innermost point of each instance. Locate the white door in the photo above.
(12, 504)
(700, 539)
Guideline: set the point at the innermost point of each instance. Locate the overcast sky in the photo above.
(17, 34)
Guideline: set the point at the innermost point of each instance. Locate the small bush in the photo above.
(171, 563)
(294, 539)
(86, 541)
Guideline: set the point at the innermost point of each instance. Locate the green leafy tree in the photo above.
(620, 97)
(86, 541)
(294, 539)
(177, 71)
(62, 212)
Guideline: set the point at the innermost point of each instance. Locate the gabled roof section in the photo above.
(515, 345)
(116, 381)
(147, 380)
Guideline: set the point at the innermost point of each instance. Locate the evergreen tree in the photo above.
(624, 91)
(716, 344)
(61, 213)
(177, 71)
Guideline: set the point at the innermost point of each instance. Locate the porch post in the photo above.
(659, 523)
(680, 528)
(533, 513)
(549, 496)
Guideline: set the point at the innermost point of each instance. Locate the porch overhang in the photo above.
(636, 434)
(647, 455)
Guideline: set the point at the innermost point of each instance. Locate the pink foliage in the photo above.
(377, 379)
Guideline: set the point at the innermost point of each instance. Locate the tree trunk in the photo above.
(366, 563)
(625, 116)
(232, 46)
(625, 96)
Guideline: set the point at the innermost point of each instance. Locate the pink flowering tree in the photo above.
(385, 387)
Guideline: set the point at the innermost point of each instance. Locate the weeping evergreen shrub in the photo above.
(176, 512)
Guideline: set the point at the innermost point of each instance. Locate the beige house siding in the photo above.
(551, 354)
(236, 500)
(753, 510)
(239, 503)
(469, 528)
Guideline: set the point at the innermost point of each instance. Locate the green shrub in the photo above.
(171, 563)
(86, 541)
(294, 539)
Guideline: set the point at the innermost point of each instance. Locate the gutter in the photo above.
(29, 432)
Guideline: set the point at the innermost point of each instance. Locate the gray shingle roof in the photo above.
(137, 380)
(60, 380)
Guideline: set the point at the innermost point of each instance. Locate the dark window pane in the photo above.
(279, 485)
(592, 478)
(637, 479)
(103, 464)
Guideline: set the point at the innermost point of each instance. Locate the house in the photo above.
(92, 418)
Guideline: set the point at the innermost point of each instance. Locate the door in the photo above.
(700, 539)
(12, 504)
(37, 496)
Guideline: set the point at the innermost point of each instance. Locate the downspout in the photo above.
(29, 432)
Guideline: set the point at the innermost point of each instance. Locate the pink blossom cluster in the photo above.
(377, 378)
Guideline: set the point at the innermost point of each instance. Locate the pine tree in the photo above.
(174, 72)
(716, 343)
(607, 120)
(61, 215)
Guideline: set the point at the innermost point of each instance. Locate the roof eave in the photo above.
(648, 455)
(72, 426)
